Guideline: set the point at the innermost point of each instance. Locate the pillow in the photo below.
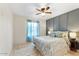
(56, 34)
(65, 34)
(59, 34)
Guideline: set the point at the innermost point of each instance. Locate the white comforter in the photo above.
(50, 45)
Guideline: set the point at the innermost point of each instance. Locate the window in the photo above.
(32, 30)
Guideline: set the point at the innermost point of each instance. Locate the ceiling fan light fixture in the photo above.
(42, 14)
(44, 10)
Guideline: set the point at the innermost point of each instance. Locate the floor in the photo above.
(28, 49)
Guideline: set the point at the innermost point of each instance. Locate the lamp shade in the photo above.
(72, 34)
(49, 32)
(42, 14)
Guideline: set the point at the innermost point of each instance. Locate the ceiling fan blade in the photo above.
(38, 13)
(49, 12)
(42, 9)
(38, 10)
(47, 8)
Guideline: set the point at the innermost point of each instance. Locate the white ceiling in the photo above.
(28, 9)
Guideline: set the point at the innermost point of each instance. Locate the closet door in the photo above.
(73, 20)
(56, 23)
(63, 22)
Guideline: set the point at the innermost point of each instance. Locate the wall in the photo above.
(20, 28)
(6, 30)
(42, 27)
(66, 22)
(73, 20)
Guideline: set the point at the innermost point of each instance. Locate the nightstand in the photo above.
(77, 44)
(73, 44)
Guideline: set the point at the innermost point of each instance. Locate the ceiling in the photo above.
(29, 9)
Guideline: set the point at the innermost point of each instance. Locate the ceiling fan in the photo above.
(44, 10)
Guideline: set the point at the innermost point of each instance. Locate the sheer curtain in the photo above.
(32, 30)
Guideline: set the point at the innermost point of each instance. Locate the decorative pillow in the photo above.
(65, 34)
(56, 34)
(59, 34)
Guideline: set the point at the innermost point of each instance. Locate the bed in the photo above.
(51, 46)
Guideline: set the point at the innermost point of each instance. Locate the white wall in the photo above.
(20, 28)
(42, 26)
(6, 31)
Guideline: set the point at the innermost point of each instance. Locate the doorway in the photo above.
(32, 29)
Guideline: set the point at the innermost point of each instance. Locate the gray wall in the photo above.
(73, 20)
(65, 22)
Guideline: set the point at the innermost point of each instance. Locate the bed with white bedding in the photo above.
(51, 46)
